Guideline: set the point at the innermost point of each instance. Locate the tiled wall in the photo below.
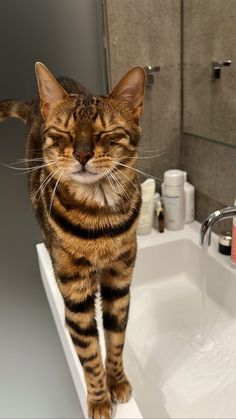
(211, 168)
(147, 32)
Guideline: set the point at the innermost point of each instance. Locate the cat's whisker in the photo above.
(122, 187)
(113, 185)
(111, 179)
(44, 185)
(29, 169)
(142, 157)
(148, 157)
(113, 190)
(41, 185)
(41, 193)
(22, 173)
(122, 173)
(54, 191)
(32, 170)
(50, 163)
(139, 171)
(155, 150)
(37, 159)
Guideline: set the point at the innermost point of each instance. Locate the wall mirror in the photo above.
(209, 69)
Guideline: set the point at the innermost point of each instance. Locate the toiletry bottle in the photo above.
(233, 242)
(162, 190)
(155, 212)
(157, 197)
(146, 213)
(174, 199)
(224, 243)
(158, 220)
(160, 216)
(189, 201)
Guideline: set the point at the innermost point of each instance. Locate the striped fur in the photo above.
(14, 109)
(89, 220)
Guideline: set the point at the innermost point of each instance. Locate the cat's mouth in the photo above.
(86, 176)
(84, 172)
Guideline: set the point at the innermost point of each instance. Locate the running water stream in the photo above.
(202, 342)
(203, 291)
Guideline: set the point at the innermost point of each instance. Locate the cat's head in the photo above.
(87, 137)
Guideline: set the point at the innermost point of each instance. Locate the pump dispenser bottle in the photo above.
(174, 199)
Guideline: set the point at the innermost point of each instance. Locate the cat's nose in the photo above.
(83, 156)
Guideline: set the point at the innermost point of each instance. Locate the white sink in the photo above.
(173, 376)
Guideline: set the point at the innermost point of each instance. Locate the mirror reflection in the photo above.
(209, 70)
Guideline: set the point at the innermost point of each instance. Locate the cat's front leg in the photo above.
(78, 285)
(115, 284)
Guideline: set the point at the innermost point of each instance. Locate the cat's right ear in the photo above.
(131, 89)
(50, 91)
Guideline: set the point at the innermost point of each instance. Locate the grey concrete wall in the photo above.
(147, 32)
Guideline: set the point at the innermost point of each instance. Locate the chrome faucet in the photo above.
(214, 217)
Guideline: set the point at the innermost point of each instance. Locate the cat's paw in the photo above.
(120, 391)
(100, 410)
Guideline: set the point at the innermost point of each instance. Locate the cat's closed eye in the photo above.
(55, 138)
(112, 141)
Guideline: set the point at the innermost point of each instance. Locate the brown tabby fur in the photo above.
(89, 227)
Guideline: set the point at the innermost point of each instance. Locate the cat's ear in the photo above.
(131, 89)
(50, 90)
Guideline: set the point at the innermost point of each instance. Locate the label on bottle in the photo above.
(145, 218)
(233, 248)
(174, 218)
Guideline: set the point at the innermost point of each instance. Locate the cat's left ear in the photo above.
(131, 89)
(50, 91)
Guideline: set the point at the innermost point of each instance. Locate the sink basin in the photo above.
(173, 373)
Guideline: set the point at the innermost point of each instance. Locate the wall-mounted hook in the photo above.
(150, 74)
(217, 66)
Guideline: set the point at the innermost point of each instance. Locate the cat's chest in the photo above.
(100, 252)
(101, 194)
(98, 246)
(97, 235)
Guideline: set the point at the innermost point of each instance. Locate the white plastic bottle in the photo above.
(189, 201)
(174, 199)
(162, 190)
(146, 213)
(233, 242)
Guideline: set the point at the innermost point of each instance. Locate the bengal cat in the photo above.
(81, 153)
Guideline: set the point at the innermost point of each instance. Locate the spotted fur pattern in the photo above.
(88, 210)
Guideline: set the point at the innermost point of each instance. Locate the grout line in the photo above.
(184, 133)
